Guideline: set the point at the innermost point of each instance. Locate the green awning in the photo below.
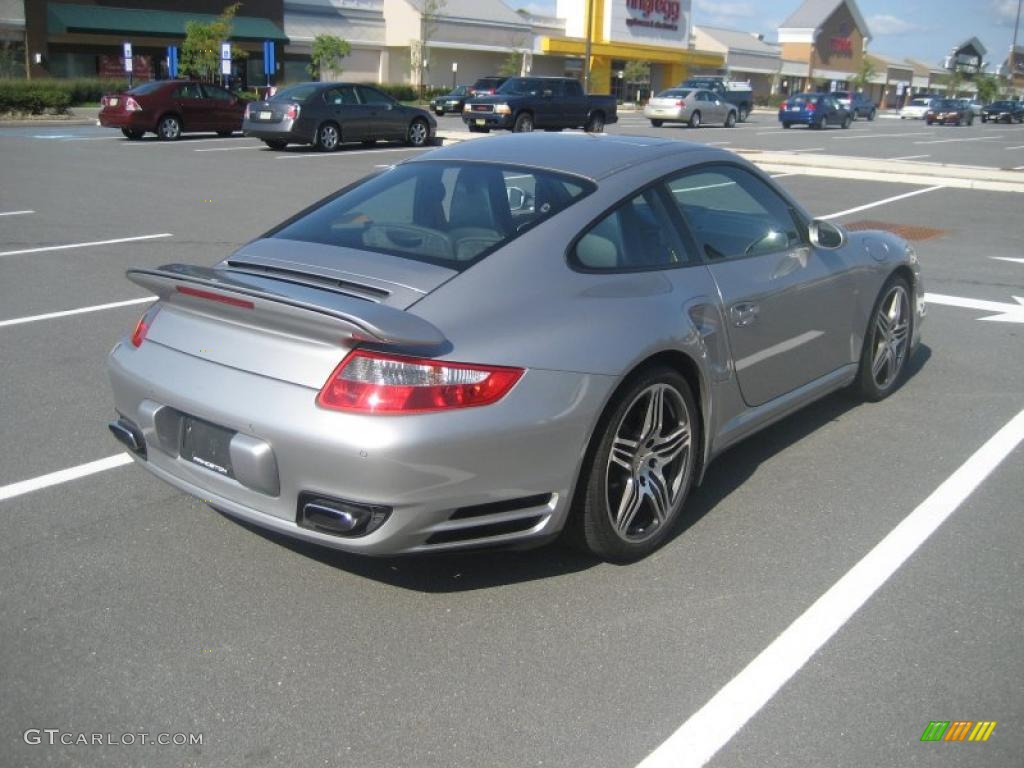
(63, 18)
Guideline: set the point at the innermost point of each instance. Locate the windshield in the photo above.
(142, 90)
(521, 86)
(445, 213)
(296, 93)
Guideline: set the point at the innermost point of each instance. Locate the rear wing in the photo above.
(285, 307)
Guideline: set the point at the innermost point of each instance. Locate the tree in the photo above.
(12, 60)
(637, 72)
(200, 51)
(864, 74)
(328, 51)
(419, 50)
(952, 80)
(511, 65)
(988, 87)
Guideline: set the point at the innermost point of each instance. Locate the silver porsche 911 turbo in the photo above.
(504, 340)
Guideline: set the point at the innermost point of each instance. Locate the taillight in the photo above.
(131, 105)
(142, 327)
(783, 105)
(812, 107)
(371, 382)
(248, 110)
(292, 112)
(103, 101)
(681, 103)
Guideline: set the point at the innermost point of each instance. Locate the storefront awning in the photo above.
(632, 52)
(98, 20)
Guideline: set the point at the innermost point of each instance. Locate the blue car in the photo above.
(815, 110)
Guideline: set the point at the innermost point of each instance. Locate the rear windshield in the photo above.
(921, 102)
(445, 213)
(488, 82)
(673, 93)
(1001, 104)
(799, 101)
(296, 93)
(841, 94)
(142, 90)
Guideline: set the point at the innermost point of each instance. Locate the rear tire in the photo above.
(328, 137)
(743, 114)
(657, 123)
(871, 115)
(640, 468)
(730, 120)
(131, 134)
(225, 134)
(169, 128)
(787, 125)
(595, 123)
(418, 134)
(847, 121)
(523, 123)
(276, 144)
(694, 120)
(883, 359)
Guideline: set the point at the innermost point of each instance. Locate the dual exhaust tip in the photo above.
(338, 517)
(128, 435)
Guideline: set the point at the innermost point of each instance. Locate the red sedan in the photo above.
(169, 108)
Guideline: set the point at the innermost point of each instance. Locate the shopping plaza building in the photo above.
(822, 45)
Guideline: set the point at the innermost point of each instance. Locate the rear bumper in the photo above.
(292, 131)
(138, 121)
(423, 467)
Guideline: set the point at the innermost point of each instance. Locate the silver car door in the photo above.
(788, 307)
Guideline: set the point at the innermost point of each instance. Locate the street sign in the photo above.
(127, 57)
(268, 58)
(172, 61)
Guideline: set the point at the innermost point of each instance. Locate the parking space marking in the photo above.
(714, 724)
(810, 149)
(185, 143)
(79, 311)
(85, 245)
(1020, 147)
(784, 175)
(909, 157)
(347, 153)
(15, 213)
(885, 135)
(953, 141)
(63, 476)
(229, 149)
(882, 202)
(1009, 258)
(1005, 311)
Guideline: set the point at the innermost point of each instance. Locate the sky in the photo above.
(920, 29)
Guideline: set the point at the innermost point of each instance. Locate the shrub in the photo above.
(36, 97)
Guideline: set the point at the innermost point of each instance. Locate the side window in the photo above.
(188, 91)
(213, 92)
(372, 96)
(639, 234)
(573, 88)
(733, 214)
(341, 96)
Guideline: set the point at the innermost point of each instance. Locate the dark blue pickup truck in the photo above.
(552, 103)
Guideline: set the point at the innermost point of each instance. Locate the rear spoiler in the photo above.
(285, 306)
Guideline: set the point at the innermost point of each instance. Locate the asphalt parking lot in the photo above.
(131, 608)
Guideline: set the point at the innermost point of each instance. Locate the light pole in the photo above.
(1011, 63)
(587, 45)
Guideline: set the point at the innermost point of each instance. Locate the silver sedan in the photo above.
(505, 340)
(691, 106)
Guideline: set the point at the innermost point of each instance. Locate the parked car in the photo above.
(1003, 112)
(523, 103)
(815, 110)
(693, 107)
(975, 106)
(949, 112)
(170, 108)
(916, 108)
(739, 93)
(415, 364)
(859, 104)
(453, 101)
(328, 114)
(486, 86)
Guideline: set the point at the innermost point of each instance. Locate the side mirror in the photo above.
(516, 198)
(825, 234)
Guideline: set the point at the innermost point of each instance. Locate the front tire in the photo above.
(694, 120)
(641, 471)
(847, 121)
(328, 137)
(883, 359)
(224, 134)
(418, 134)
(657, 123)
(730, 120)
(523, 123)
(595, 123)
(743, 115)
(871, 115)
(169, 128)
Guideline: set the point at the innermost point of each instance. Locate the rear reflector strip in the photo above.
(200, 294)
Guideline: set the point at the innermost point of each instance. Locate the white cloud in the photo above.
(884, 24)
(1005, 11)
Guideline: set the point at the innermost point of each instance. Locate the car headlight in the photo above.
(502, 109)
(466, 108)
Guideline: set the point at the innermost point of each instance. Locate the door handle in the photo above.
(744, 314)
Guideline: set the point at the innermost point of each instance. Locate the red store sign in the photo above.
(668, 10)
(841, 45)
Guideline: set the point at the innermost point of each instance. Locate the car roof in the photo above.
(591, 156)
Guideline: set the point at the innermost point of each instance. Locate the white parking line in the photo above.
(230, 149)
(1020, 147)
(185, 143)
(85, 245)
(784, 175)
(909, 157)
(953, 141)
(347, 153)
(79, 311)
(810, 149)
(63, 476)
(884, 135)
(15, 213)
(882, 202)
(713, 725)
